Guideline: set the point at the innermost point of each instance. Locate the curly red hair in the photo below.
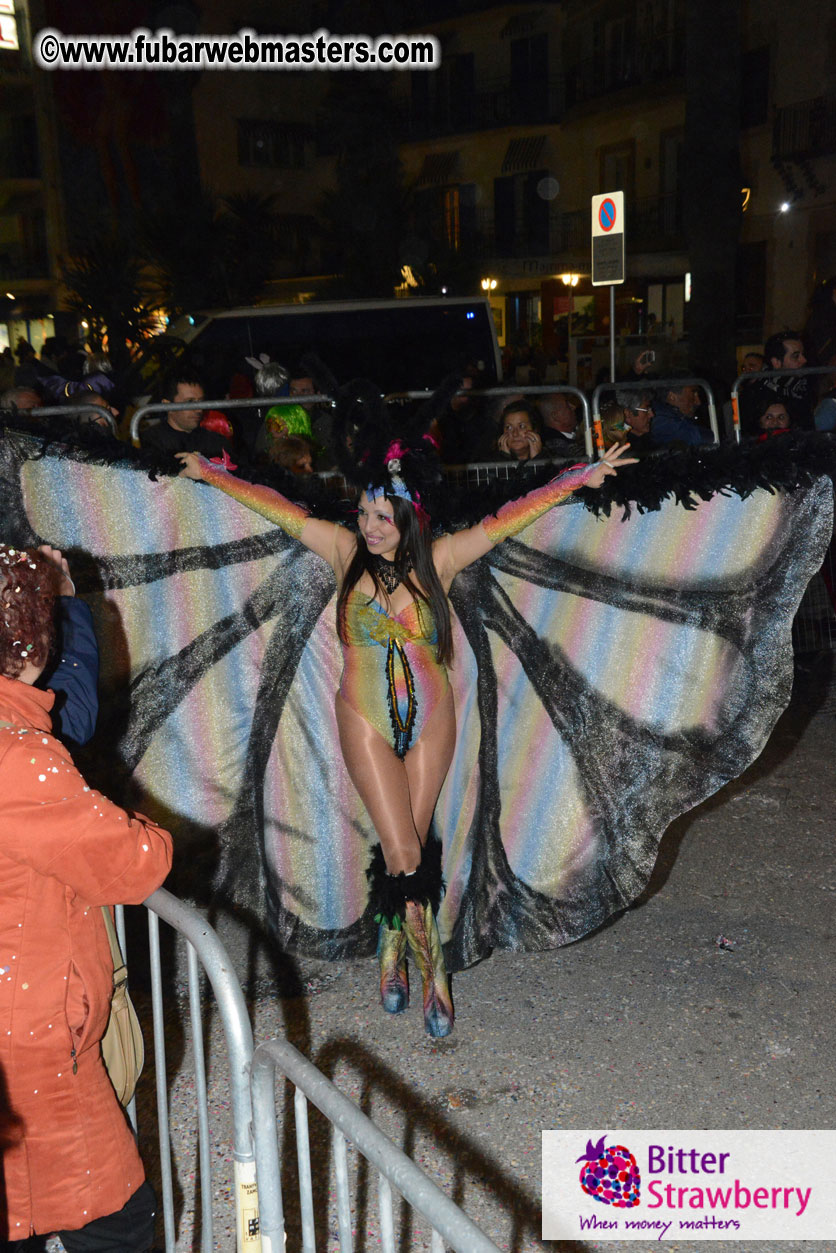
(28, 587)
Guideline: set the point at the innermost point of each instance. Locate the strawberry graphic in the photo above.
(610, 1175)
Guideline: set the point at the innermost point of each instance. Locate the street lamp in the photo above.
(488, 284)
(570, 280)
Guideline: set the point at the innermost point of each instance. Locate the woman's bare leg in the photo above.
(381, 780)
(428, 761)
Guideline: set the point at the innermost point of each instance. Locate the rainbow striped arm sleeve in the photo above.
(264, 500)
(518, 514)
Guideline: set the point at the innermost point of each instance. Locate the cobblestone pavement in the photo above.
(652, 1022)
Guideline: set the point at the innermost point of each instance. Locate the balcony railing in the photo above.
(654, 224)
(16, 263)
(563, 233)
(805, 130)
(498, 104)
(636, 64)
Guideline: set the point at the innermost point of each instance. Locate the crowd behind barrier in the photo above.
(257, 1159)
(251, 402)
(477, 425)
(92, 411)
(758, 376)
(815, 628)
(647, 385)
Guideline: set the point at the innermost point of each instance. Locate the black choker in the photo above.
(386, 572)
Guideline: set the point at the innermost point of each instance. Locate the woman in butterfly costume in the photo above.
(394, 707)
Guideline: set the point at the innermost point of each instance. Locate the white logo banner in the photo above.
(688, 1185)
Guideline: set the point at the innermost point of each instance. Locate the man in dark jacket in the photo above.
(180, 430)
(674, 419)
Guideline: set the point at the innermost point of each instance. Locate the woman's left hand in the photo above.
(612, 461)
(535, 444)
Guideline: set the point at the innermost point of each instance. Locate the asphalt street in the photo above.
(708, 1004)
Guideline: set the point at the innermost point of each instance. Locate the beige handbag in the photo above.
(123, 1049)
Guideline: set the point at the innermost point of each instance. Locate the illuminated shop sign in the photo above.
(8, 26)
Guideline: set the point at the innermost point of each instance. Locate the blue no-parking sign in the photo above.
(608, 238)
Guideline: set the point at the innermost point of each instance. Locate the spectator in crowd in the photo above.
(293, 453)
(520, 431)
(628, 421)
(674, 418)
(562, 431)
(783, 351)
(463, 433)
(820, 331)
(775, 420)
(21, 399)
(320, 414)
(30, 372)
(825, 415)
(301, 384)
(51, 350)
(752, 363)
(7, 370)
(642, 367)
(90, 397)
(180, 429)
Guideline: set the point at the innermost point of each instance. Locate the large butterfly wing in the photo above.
(626, 671)
(609, 675)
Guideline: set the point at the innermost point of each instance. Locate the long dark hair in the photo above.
(413, 557)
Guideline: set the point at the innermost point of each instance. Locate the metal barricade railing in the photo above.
(203, 943)
(76, 410)
(760, 375)
(249, 402)
(542, 389)
(254, 1130)
(450, 1226)
(647, 385)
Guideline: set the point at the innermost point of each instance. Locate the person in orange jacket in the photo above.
(70, 1162)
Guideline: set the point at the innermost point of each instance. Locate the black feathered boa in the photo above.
(782, 463)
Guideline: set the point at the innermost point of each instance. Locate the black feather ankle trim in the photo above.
(390, 892)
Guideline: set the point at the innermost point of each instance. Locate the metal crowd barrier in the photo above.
(646, 385)
(542, 389)
(202, 943)
(69, 411)
(394, 1169)
(254, 1130)
(769, 374)
(250, 402)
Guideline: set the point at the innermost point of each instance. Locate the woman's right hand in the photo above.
(192, 465)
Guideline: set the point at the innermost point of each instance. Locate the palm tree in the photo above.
(107, 286)
(218, 252)
(249, 228)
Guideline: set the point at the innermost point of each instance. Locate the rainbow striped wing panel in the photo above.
(609, 675)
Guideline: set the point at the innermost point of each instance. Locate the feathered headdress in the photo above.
(386, 448)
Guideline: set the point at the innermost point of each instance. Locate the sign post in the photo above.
(608, 253)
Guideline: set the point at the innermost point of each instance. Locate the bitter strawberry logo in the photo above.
(610, 1175)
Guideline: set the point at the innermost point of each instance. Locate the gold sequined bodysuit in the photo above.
(391, 676)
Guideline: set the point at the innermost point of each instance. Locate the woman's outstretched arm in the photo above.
(327, 539)
(468, 546)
